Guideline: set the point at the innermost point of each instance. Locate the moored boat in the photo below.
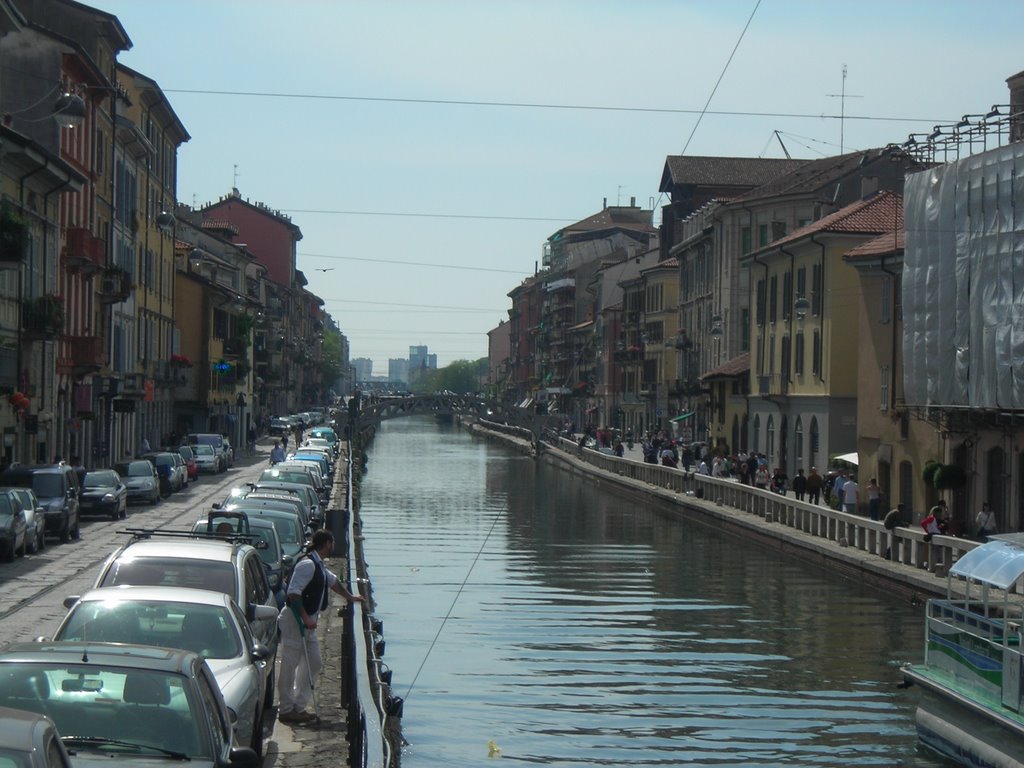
(970, 708)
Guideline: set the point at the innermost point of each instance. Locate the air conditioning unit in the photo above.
(132, 384)
(110, 285)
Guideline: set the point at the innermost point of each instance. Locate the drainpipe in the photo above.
(895, 338)
(792, 283)
(821, 310)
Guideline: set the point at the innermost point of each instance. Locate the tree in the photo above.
(461, 377)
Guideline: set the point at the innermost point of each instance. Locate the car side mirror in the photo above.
(259, 652)
(243, 757)
(70, 600)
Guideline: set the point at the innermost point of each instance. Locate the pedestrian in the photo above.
(985, 522)
(779, 481)
(837, 489)
(850, 495)
(799, 484)
(252, 439)
(874, 499)
(931, 523)
(893, 520)
(300, 656)
(276, 453)
(619, 451)
(144, 445)
(761, 477)
(76, 465)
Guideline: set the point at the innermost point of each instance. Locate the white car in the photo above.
(207, 459)
(208, 623)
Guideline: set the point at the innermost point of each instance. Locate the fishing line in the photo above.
(452, 606)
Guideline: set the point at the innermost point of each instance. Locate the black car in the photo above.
(104, 493)
(56, 487)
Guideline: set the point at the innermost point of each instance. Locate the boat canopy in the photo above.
(999, 563)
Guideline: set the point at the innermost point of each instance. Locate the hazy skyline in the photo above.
(428, 149)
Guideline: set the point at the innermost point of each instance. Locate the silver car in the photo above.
(35, 519)
(208, 623)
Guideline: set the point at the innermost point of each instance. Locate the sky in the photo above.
(428, 148)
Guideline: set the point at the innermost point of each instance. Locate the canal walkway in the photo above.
(900, 560)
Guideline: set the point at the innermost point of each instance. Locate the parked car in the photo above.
(208, 623)
(171, 465)
(104, 493)
(129, 705)
(56, 487)
(229, 452)
(158, 559)
(328, 434)
(35, 518)
(279, 427)
(305, 472)
(263, 536)
(214, 440)
(13, 527)
(289, 526)
(188, 455)
(140, 478)
(207, 458)
(30, 740)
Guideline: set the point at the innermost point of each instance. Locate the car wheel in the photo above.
(41, 539)
(33, 546)
(124, 511)
(116, 513)
(24, 545)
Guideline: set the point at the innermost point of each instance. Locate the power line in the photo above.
(413, 263)
(584, 107)
(430, 215)
(719, 81)
(424, 306)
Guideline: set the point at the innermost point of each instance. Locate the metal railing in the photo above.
(904, 545)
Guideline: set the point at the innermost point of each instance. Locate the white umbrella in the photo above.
(849, 458)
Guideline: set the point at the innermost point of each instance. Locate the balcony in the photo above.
(115, 286)
(772, 384)
(87, 353)
(235, 347)
(43, 317)
(84, 250)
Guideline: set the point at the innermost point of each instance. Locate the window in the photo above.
(787, 295)
(760, 302)
(745, 240)
(812, 454)
(801, 281)
(786, 343)
(771, 354)
(745, 329)
(798, 440)
(886, 298)
(816, 289)
(884, 389)
(798, 363)
(816, 353)
(773, 299)
(770, 439)
(757, 434)
(762, 235)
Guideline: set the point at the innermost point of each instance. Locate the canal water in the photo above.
(536, 613)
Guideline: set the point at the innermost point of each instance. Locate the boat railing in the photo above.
(971, 619)
(905, 545)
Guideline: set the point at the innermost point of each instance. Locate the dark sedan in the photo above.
(103, 493)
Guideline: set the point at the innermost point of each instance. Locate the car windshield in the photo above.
(47, 485)
(205, 629)
(6, 508)
(140, 468)
(289, 529)
(143, 710)
(100, 480)
(214, 575)
(186, 453)
(25, 497)
(204, 450)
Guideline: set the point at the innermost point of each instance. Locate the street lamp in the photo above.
(69, 110)
(801, 307)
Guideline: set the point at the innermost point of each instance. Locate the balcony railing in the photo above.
(234, 347)
(84, 249)
(87, 352)
(43, 317)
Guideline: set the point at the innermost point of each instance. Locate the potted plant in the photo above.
(949, 477)
(928, 473)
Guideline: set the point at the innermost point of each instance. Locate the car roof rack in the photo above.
(141, 534)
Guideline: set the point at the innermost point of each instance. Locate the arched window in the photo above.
(770, 440)
(757, 434)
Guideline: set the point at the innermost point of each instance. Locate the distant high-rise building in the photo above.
(363, 367)
(398, 371)
(419, 361)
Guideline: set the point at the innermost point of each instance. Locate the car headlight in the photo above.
(108, 497)
(149, 483)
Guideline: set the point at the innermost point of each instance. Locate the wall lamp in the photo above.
(716, 326)
(801, 307)
(165, 221)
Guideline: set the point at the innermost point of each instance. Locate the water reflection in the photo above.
(574, 626)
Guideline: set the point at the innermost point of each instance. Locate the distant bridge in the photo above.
(384, 408)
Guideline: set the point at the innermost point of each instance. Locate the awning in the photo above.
(849, 458)
(999, 563)
(682, 416)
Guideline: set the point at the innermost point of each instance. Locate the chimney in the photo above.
(868, 186)
(632, 202)
(604, 203)
(1016, 86)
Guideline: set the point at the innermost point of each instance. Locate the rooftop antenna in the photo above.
(843, 96)
(779, 137)
(234, 178)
